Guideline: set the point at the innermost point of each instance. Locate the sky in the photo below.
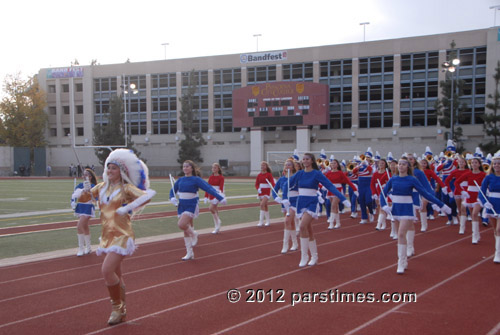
(53, 33)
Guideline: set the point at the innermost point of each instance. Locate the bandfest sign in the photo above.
(274, 56)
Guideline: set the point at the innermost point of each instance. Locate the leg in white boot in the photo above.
(286, 237)
(337, 222)
(402, 258)
(216, 224)
(304, 251)
(394, 234)
(475, 232)
(189, 249)
(497, 250)
(384, 217)
(88, 245)
(293, 236)
(331, 219)
(261, 219)
(81, 245)
(463, 221)
(423, 221)
(410, 237)
(379, 222)
(268, 222)
(313, 248)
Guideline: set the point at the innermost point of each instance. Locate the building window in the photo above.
(66, 131)
(300, 71)
(52, 88)
(53, 132)
(79, 131)
(79, 109)
(65, 88)
(52, 110)
(66, 110)
(261, 74)
(79, 87)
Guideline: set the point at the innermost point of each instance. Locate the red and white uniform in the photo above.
(262, 185)
(377, 176)
(472, 189)
(430, 174)
(217, 182)
(338, 178)
(454, 175)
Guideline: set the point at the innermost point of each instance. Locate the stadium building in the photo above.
(261, 106)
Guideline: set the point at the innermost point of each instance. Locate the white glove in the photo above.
(205, 200)
(149, 193)
(214, 201)
(356, 193)
(285, 203)
(387, 209)
(445, 209)
(73, 204)
(347, 203)
(488, 205)
(278, 200)
(444, 190)
(223, 201)
(259, 190)
(465, 195)
(436, 207)
(174, 201)
(321, 200)
(451, 194)
(86, 185)
(374, 197)
(122, 210)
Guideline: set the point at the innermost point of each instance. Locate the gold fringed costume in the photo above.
(117, 234)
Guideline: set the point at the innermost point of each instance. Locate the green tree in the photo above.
(190, 145)
(491, 119)
(23, 120)
(443, 106)
(113, 132)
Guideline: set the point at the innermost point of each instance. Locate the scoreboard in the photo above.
(281, 104)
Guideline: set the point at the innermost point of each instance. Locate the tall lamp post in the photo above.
(165, 47)
(257, 37)
(364, 29)
(451, 66)
(128, 88)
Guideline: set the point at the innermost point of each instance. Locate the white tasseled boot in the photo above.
(286, 237)
(304, 251)
(81, 245)
(217, 223)
(337, 221)
(382, 220)
(410, 237)
(88, 245)
(261, 218)
(423, 221)
(331, 219)
(402, 258)
(394, 233)
(268, 222)
(293, 236)
(313, 248)
(463, 221)
(379, 222)
(475, 232)
(189, 249)
(497, 250)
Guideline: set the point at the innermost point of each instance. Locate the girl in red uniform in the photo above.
(379, 178)
(264, 192)
(337, 177)
(216, 180)
(430, 174)
(469, 193)
(454, 175)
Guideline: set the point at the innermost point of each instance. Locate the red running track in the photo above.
(455, 282)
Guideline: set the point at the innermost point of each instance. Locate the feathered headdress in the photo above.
(132, 169)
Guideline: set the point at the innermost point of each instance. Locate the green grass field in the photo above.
(34, 198)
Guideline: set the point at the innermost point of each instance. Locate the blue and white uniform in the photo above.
(307, 183)
(491, 188)
(422, 178)
(84, 202)
(401, 196)
(187, 190)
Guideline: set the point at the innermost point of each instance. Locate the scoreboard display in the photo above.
(281, 104)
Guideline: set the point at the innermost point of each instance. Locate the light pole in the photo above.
(451, 66)
(165, 47)
(257, 37)
(495, 8)
(364, 29)
(127, 89)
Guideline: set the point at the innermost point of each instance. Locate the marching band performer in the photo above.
(449, 164)
(379, 178)
(393, 171)
(470, 193)
(83, 205)
(402, 186)
(365, 171)
(124, 190)
(338, 178)
(264, 192)
(187, 188)
(324, 167)
(308, 181)
(431, 176)
(353, 177)
(288, 204)
(461, 169)
(490, 199)
(216, 180)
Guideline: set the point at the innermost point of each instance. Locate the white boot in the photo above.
(261, 218)
(268, 222)
(293, 236)
(497, 250)
(297, 225)
(217, 223)
(304, 251)
(331, 219)
(402, 258)
(410, 237)
(475, 232)
(88, 245)
(384, 218)
(286, 237)
(463, 221)
(337, 222)
(313, 248)
(379, 221)
(394, 233)
(81, 245)
(189, 249)
(194, 238)
(423, 221)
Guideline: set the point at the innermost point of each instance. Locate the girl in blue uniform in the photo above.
(83, 204)
(402, 205)
(308, 181)
(187, 189)
(490, 187)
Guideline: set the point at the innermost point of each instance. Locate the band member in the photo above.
(125, 189)
(431, 176)
(379, 178)
(264, 192)
(353, 177)
(187, 188)
(445, 168)
(365, 171)
(83, 205)
(461, 169)
(216, 180)
(393, 171)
